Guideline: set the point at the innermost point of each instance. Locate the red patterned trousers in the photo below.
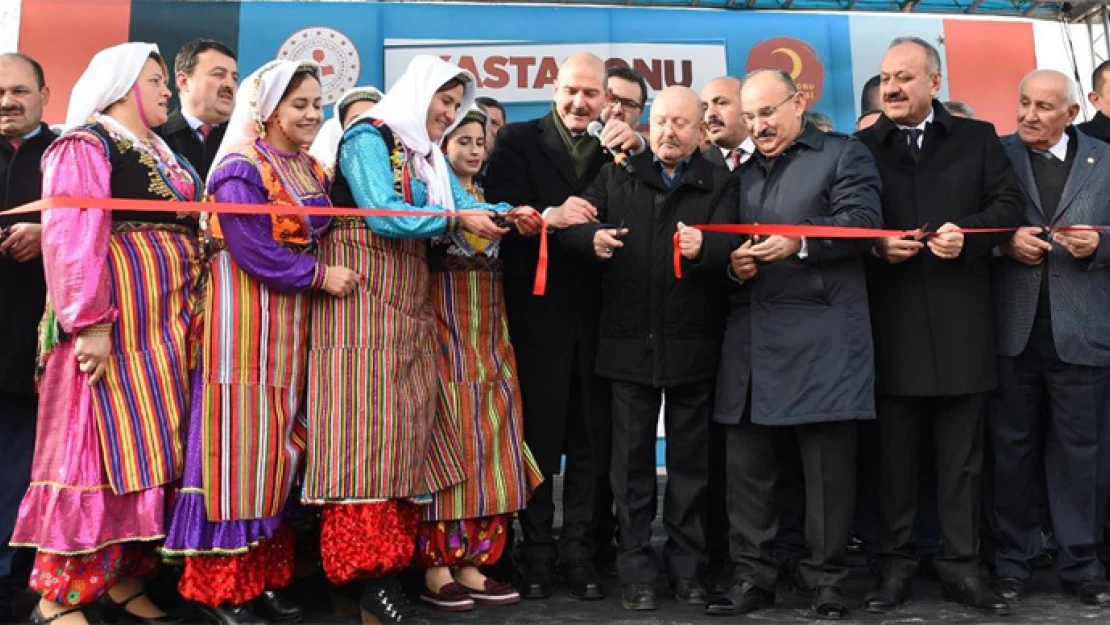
(82, 579)
(367, 540)
(235, 579)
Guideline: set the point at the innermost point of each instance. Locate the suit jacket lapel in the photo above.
(552, 145)
(1019, 156)
(1081, 170)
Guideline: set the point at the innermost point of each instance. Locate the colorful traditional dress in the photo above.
(479, 394)
(375, 437)
(246, 431)
(104, 454)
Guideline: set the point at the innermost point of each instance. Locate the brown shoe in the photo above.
(451, 598)
(493, 593)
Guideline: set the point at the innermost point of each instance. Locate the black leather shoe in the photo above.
(228, 614)
(537, 581)
(1090, 590)
(583, 581)
(690, 592)
(1009, 588)
(741, 598)
(638, 596)
(37, 617)
(382, 601)
(828, 603)
(118, 613)
(889, 595)
(973, 593)
(275, 609)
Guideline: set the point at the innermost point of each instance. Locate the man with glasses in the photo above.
(797, 355)
(625, 95)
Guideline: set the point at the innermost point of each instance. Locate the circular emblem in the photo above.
(794, 57)
(339, 62)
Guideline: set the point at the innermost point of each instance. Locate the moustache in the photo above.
(7, 110)
(714, 121)
(227, 92)
(766, 133)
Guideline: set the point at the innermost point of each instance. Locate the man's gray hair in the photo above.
(930, 50)
(1071, 92)
(782, 76)
(959, 108)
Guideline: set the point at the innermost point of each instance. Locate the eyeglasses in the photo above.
(766, 112)
(625, 103)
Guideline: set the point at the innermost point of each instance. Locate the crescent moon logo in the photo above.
(795, 60)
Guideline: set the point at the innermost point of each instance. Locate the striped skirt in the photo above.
(479, 393)
(371, 406)
(103, 453)
(254, 374)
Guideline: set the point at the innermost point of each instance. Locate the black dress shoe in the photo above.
(741, 598)
(118, 613)
(973, 593)
(889, 595)
(828, 603)
(583, 581)
(229, 614)
(272, 607)
(1090, 590)
(383, 601)
(638, 596)
(1009, 588)
(37, 617)
(537, 581)
(690, 592)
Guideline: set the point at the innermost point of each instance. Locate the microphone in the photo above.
(620, 157)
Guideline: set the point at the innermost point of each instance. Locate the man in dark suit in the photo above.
(566, 405)
(933, 319)
(660, 336)
(207, 77)
(1099, 125)
(23, 139)
(797, 356)
(730, 145)
(1054, 347)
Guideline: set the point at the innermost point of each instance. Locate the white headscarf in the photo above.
(109, 77)
(256, 101)
(326, 144)
(405, 110)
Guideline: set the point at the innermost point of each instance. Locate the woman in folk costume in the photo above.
(123, 291)
(374, 440)
(350, 106)
(466, 525)
(245, 438)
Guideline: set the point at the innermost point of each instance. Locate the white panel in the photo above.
(1054, 51)
(9, 25)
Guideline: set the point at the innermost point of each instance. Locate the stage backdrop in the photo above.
(514, 50)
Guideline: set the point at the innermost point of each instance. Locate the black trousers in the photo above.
(716, 498)
(1074, 462)
(17, 448)
(956, 428)
(635, 417)
(790, 500)
(576, 539)
(828, 459)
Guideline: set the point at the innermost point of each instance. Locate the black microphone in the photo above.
(620, 157)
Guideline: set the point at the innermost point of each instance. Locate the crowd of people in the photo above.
(180, 388)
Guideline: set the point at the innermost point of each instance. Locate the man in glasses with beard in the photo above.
(23, 139)
(207, 76)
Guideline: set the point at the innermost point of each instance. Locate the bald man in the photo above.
(566, 406)
(796, 358)
(660, 337)
(1054, 348)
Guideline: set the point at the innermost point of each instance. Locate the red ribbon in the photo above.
(840, 232)
(221, 208)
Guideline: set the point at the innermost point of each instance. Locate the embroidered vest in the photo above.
(341, 194)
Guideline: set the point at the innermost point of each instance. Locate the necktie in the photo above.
(204, 130)
(15, 142)
(913, 139)
(735, 158)
(1049, 156)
